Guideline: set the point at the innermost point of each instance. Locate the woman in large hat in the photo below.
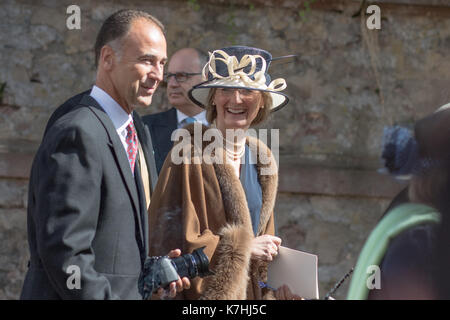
(225, 201)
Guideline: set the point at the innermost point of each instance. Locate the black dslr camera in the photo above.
(158, 272)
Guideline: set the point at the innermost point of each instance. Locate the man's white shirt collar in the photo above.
(118, 116)
(116, 113)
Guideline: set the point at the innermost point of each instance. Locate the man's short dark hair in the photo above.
(117, 26)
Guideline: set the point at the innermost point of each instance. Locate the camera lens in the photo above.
(192, 265)
(202, 262)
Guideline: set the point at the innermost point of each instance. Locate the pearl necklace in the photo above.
(230, 146)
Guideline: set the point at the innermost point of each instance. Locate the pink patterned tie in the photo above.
(132, 145)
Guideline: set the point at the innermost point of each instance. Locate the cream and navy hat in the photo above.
(239, 67)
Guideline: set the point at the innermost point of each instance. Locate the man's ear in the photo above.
(107, 57)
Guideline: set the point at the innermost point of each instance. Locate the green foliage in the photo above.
(302, 13)
(231, 23)
(194, 5)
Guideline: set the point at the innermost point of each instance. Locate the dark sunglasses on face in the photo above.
(180, 76)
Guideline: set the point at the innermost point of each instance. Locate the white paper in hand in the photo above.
(297, 269)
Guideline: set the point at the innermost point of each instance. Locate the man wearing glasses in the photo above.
(183, 73)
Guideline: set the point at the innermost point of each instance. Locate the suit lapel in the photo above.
(117, 147)
(172, 121)
(143, 222)
(146, 144)
(147, 147)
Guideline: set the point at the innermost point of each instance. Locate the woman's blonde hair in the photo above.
(263, 113)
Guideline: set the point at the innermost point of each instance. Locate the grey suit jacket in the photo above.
(85, 209)
(161, 125)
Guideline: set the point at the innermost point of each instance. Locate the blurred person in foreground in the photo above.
(410, 244)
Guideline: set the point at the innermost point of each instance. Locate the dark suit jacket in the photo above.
(161, 125)
(85, 208)
(66, 107)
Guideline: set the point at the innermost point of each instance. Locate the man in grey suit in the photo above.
(89, 186)
(184, 72)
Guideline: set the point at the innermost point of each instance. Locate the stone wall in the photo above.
(346, 84)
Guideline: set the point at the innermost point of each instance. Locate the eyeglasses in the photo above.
(180, 76)
(243, 93)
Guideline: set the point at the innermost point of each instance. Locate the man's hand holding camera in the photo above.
(164, 276)
(174, 287)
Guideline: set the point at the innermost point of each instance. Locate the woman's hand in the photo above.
(265, 247)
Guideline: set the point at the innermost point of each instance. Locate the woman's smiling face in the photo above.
(236, 108)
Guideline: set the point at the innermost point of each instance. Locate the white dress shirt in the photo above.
(200, 117)
(118, 116)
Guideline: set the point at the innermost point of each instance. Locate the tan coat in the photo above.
(196, 205)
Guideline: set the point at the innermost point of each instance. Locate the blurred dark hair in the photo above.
(117, 26)
(431, 184)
